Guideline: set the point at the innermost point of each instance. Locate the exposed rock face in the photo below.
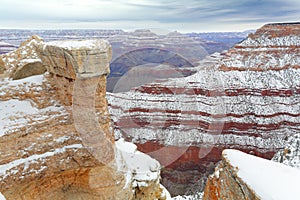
(46, 152)
(246, 99)
(241, 176)
(175, 42)
(290, 155)
(225, 184)
(133, 51)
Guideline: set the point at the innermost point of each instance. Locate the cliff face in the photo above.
(241, 176)
(244, 99)
(55, 135)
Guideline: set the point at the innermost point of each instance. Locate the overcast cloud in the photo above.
(188, 15)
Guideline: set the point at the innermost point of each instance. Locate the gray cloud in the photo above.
(163, 12)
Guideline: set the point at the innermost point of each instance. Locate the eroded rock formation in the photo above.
(24, 61)
(246, 99)
(50, 151)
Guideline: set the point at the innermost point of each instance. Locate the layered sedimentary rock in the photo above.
(133, 51)
(55, 135)
(246, 99)
(175, 42)
(241, 176)
(6, 47)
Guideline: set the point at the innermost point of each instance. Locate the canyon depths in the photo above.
(246, 98)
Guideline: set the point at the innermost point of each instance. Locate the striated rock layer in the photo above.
(6, 47)
(246, 98)
(55, 135)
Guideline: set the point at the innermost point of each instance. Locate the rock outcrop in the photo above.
(24, 61)
(55, 135)
(241, 176)
(246, 99)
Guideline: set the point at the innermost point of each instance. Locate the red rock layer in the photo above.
(246, 99)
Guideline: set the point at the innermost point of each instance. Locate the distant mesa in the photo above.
(151, 62)
(6, 47)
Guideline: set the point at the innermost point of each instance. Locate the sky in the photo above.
(180, 15)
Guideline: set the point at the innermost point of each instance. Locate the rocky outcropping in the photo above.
(246, 99)
(55, 135)
(241, 176)
(24, 61)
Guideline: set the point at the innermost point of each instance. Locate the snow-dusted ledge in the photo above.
(269, 180)
(139, 168)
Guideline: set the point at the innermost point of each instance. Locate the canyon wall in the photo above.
(246, 98)
(55, 136)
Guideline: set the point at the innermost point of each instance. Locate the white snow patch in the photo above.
(138, 167)
(197, 196)
(15, 114)
(37, 80)
(78, 44)
(12, 112)
(270, 180)
(2, 197)
(31, 159)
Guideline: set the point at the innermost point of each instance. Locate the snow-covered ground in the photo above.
(269, 180)
(16, 113)
(139, 168)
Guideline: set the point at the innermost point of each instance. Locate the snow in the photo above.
(79, 44)
(31, 159)
(290, 155)
(15, 113)
(197, 196)
(269, 180)
(37, 80)
(136, 165)
(2, 197)
(12, 112)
